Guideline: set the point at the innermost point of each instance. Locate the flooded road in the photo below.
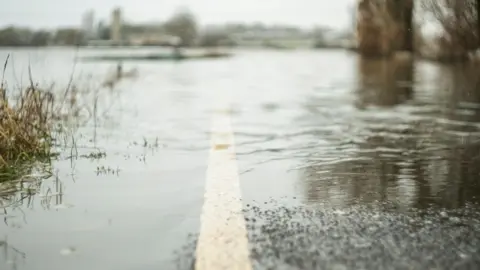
(332, 163)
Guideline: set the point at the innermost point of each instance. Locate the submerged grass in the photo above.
(39, 125)
(31, 123)
(25, 127)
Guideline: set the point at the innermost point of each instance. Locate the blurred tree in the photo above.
(319, 34)
(183, 25)
(215, 38)
(402, 24)
(40, 38)
(103, 31)
(459, 22)
(12, 36)
(69, 36)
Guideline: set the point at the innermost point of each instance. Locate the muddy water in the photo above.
(371, 131)
(363, 150)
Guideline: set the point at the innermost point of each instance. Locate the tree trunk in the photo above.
(478, 21)
(373, 29)
(408, 26)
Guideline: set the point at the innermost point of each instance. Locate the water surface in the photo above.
(321, 131)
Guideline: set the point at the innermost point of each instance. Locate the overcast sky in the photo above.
(54, 13)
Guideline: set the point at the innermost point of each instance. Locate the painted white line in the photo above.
(223, 242)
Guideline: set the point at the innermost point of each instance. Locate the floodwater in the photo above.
(343, 164)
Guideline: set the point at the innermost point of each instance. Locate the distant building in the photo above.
(154, 39)
(282, 38)
(88, 24)
(116, 26)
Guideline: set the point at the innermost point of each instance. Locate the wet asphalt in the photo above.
(378, 236)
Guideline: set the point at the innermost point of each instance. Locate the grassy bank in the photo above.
(29, 124)
(25, 127)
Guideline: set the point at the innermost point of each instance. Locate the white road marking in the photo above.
(223, 242)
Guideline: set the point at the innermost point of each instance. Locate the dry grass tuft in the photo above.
(25, 126)
(27, 122)
(36, 123)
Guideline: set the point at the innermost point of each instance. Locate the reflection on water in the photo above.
(423, 152)
(11, 255)
(27, 192)
(384, 82)
(52, 195)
